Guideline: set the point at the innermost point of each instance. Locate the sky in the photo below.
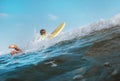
(20, 18)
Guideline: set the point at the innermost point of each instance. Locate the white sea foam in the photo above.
(80, 31)
(96, 26)
(0, 53)
(36, 45)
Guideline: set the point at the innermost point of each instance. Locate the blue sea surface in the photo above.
(78, 58)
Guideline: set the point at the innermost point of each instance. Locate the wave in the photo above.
(79, 32)
(76, 33)
(68, 56)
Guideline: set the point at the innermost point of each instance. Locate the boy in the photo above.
(16, 49)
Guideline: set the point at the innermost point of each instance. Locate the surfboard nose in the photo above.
(57, 30)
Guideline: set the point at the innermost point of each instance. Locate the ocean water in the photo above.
(88, 53)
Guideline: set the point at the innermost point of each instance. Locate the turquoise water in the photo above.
(64, 58)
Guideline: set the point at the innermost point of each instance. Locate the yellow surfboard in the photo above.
(57, 30)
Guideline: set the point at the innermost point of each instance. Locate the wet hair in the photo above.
(42, 31)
